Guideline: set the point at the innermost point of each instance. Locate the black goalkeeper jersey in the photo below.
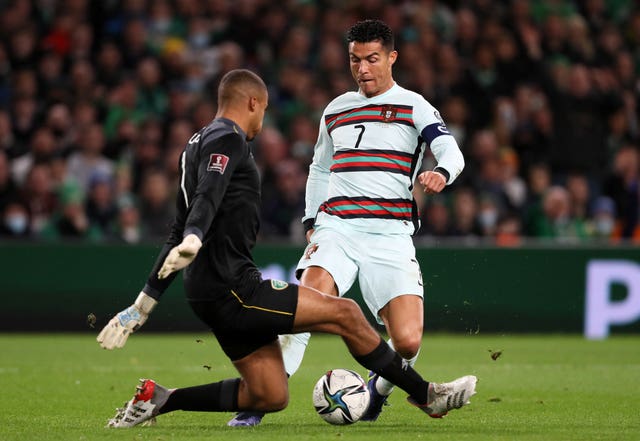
(218, 200)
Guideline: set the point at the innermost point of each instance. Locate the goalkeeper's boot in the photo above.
(376, 399)
(144, 406)
(246, 419)
(443, 397)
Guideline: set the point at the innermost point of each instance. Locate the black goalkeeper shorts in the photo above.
(244, 322)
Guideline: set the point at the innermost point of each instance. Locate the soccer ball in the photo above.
(341, 396)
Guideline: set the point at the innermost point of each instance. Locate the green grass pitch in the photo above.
(64, 387)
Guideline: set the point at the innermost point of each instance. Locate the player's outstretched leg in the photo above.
(443, 397)
(145, 404)
(293, 347)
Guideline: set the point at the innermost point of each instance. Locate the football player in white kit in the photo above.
(360, 213)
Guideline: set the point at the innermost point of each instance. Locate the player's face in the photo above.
(260, 106)
(371, 67)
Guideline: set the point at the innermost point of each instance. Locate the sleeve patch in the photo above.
(217, 163)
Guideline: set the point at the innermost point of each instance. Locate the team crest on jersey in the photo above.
(217, 163)
(388, 113)
(278, 284)
(311, 248)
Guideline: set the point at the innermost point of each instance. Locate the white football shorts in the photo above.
(385, 264)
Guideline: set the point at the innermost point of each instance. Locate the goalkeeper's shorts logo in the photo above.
(278, 284)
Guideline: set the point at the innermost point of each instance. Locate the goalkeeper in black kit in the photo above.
(211, 239)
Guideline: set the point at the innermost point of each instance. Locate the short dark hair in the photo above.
(236, 82)
(371, 30)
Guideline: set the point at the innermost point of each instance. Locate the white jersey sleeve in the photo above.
(319, 172)
(442, 144)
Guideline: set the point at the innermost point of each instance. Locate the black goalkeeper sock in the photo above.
(385, 362)
(215, 397)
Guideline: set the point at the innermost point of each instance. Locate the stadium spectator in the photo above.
(122, 105)
(88, 159)
(15, 221)
(156, 205)
(109, 68)
(281, 214)
(121, 146)
(302, 138)
(538, 182)
(24, 120)
(489, 212)
(128, 227)
(42, 148)
(58, 119)
(52, 80)
(623, 186)
(465, 214)
(8, 188)
(557, 221)
(70, 220)
(7, 138)
(100, 204)
(38, 195)
(5, 77)
(435, 218)
(82, 82)
(513, 186)
(84, 113)
(577, 185)
(147, 151)
(272, 150)
(151, 99)
(509, 230)
(604, 218)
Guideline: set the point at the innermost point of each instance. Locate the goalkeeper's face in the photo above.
(258, 106)
(371, 65)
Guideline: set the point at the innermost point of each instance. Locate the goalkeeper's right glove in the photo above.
(116, 332)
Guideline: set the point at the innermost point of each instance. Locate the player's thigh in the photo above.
(264, 380)
(329, 250)
(389, 269)
(335, 315)
(321, 312)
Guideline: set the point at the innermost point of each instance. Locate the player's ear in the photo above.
(253, 103)
(393, 56)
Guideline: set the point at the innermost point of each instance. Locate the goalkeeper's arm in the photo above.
(117, 331)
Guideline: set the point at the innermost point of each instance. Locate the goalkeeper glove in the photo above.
(180, 256)
(116, 332)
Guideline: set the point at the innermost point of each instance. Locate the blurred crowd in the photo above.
(97, 100)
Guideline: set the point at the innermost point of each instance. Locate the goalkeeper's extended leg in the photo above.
(151, 399)
(293, 347)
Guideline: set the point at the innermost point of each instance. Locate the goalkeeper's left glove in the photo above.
(180, 256)
(116, 332)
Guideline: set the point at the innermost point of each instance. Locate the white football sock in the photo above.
(293, 347)
(382, 385)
